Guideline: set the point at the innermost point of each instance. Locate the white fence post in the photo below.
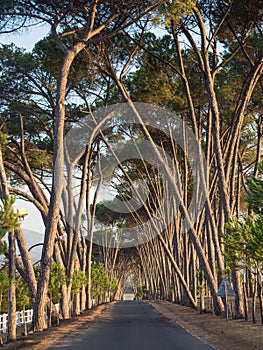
(19, 318)
(3, 322)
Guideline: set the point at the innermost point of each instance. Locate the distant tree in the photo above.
(22, 296)
(100, 281)
(79, 282)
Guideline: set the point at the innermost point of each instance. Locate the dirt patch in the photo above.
(214, 330)
(52, 336)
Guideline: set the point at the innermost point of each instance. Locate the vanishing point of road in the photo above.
(131, 325)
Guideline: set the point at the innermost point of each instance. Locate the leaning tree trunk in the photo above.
(53, 215)
(27, 262)
(89, 257)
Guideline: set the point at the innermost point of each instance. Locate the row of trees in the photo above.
(184, 164)
(103, 289)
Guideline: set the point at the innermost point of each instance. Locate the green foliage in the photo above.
(9, 220)
(154, 81)
(236, 238)
(3, 139)
(57, 278)
(79, 280)
(243, 239)
(26, 91)
(49, 55)
(241, 16)
(138, 294)
(145, 291)
(173, 10)
(114, 285)
(16, 68)
(4, 281)
(255, 244)
(255, 195)
(99, 280)
(22, 295)
(39, 159)
(4, 285)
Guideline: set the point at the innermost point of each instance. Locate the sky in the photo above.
(27, 38)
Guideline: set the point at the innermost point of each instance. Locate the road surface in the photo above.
(130, 325)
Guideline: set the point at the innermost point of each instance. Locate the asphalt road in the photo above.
(130, 325)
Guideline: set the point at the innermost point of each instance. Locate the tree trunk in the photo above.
(54, 209)
(239, 301)
(50, 311)
(245, 301)
(27, 263)
(91, 216)
(260, 296)
(254, 300)
(11, 330)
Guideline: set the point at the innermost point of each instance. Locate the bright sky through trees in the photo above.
(26, 38)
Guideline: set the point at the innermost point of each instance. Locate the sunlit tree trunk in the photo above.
(53, 216)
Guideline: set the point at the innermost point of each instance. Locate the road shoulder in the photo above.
(211, 329)
(49, 337)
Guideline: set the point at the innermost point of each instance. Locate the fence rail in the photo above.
(22, 317)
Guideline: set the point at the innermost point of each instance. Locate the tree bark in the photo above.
(11, 329)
